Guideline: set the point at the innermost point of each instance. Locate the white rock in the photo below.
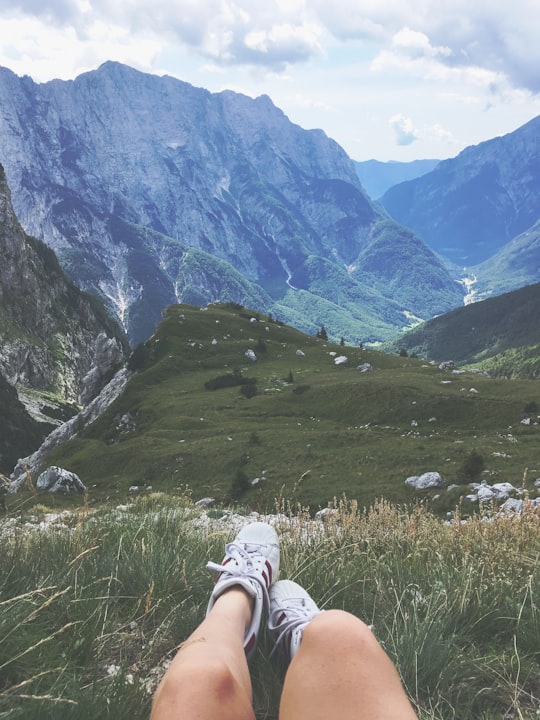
(341, 360)
(57, 480)
(365, 367)
(503, 489)
(426, 480)
(485, 493)
(300, 353)
(251, 355)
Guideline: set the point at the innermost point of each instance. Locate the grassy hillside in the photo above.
(294, 425)
(94, 604)
(496, 334)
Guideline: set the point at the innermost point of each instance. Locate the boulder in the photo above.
(425, 481)
(365, 367)
(447, 365)
(57, 480)
(251, 355)
(341, 360)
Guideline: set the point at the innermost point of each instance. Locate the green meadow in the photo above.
(199, 415)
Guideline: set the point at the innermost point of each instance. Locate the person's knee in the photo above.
(186, 684)
(337, 628)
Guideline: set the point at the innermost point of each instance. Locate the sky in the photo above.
(387, 79)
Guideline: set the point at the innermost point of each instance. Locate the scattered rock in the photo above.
(59, 480)
(447, 365)
(300, 353)
(365, 367)
(498, 491)
(425, 481)
(205, 502)
(341, 360)
(515, 506)
(251, 355)
(326, 514)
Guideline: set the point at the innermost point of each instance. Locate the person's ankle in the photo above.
(236, 597)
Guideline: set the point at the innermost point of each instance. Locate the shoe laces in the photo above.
(293, 615)
(246, 561)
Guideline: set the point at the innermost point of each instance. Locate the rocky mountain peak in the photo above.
(152, 191)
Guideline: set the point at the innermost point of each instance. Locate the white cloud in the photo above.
(404, 129)
(346, 66)
(416, 44)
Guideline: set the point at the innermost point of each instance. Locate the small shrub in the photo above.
(531, 407)
(248, 391)
(240, 484)
(403, 353)
(228, 380)
(471, 468)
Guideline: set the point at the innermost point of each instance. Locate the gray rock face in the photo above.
(69, 429)
(49, 330)
(152, 192)
(58, 480)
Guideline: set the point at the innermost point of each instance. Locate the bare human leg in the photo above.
(340, 671)
(209, 677)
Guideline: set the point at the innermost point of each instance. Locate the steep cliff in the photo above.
(51, 334)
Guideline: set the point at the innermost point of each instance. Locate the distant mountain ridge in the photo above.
(468, 208)
(153, 192)
(377, 177)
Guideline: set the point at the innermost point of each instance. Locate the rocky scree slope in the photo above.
(152, 192)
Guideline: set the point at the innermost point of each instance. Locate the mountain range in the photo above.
(377, 177)
(152, 192)
(468, 208)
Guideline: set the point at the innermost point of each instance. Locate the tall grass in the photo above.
(91, 612)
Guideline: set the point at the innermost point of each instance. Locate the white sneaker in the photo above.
(291, 609)
(252, 562)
